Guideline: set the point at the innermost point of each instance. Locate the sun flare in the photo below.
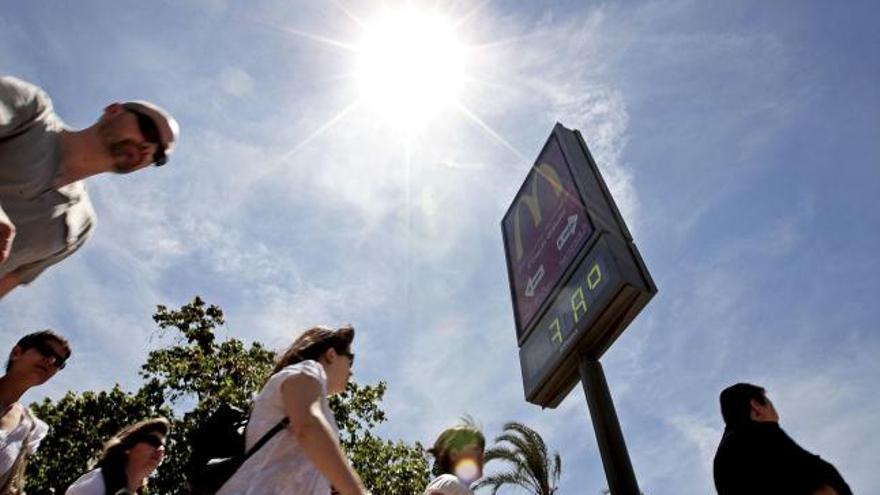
(410, 67)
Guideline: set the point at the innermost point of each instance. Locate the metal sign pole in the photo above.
(615, 458)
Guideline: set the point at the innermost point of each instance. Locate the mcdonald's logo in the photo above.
(544, 173)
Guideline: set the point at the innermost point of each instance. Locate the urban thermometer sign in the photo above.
(576, 278)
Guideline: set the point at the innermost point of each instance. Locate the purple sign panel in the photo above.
(543, 231)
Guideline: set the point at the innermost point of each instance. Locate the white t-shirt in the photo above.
(280, 467)
(11, 441)
(51, 223)
(91, 483)
(447, 484)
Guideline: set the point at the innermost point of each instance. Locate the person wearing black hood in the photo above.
(756, 456)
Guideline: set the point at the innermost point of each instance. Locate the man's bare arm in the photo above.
(301, 396)
(8, 282)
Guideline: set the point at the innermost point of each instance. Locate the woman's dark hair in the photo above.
(736, 404)
(33, 339)
(114, 455)
(313, 343)
(454, 440)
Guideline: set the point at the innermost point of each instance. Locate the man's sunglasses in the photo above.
(47, 351)
(151, 135)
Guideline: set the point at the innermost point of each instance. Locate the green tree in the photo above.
(185, 382)
(530, 466)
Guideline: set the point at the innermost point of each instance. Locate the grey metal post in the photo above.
(615, 458)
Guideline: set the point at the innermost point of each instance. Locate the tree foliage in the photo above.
(530, 465)
(185, 382)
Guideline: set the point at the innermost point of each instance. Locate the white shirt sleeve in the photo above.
(308, 368)
(41, 429)
(447, 484)
(20, 104)
(91, 483)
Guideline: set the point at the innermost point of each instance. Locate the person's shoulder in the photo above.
(745, 438)
(444, 480)
(308, 367)
(91, 483)
(39, 428)
(22, 104)
(746, 453)
(17, 94)
(15, 85)
(735, 444)
(447, 484)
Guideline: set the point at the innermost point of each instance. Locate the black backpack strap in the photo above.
(266, 437)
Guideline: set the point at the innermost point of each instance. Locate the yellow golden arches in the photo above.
(530, 199)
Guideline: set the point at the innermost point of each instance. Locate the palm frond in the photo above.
(496, 481)
(535, 461)
(532, 466)
(539, 460)
(502, 454)
(516, 461)
(531, 435)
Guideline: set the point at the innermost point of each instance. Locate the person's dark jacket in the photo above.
(760, 458)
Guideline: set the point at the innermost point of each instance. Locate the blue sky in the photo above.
(739, 139)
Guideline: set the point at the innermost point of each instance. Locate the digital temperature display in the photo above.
(576, 305)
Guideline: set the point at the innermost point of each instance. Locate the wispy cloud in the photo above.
(289, 211)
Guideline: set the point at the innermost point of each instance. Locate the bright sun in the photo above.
(411, 67)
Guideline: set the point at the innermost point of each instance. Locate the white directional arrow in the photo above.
(534, 280)
(566, 232)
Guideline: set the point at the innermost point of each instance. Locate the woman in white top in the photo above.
(126, 461)
(305, 458)
(458, 460)
(34, 360)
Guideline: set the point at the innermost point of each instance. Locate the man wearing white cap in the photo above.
(45, 212)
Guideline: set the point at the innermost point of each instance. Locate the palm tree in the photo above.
(532, 468)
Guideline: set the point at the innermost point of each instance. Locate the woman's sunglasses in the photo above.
(153, 441)
(350, 355)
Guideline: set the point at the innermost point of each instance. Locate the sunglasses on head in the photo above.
(151, 135)
(47, 351)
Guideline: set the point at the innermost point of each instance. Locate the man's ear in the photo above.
(755, 411)
(113, 109)
(15, 354)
